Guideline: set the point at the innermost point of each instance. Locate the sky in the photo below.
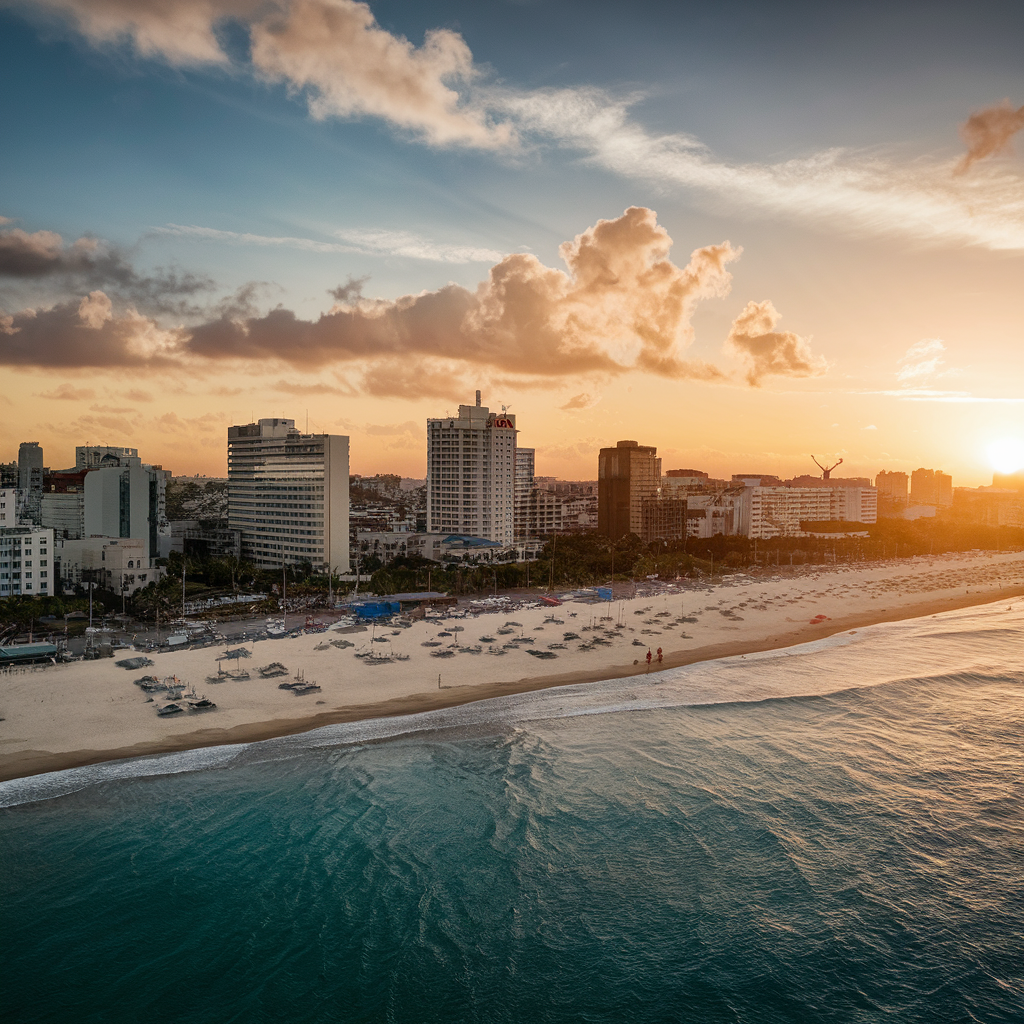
(744, 233)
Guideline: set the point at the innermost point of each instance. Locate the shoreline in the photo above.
(28, 762)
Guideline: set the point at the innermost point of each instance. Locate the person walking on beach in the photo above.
(659, 655)
(648, 659)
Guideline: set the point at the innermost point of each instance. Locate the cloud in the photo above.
(870, 426)
(84, 333)
(350, 66)
(393, 429)
(137, 395)
(621, 304)
(955, 397)
(361, 241)
(290, 388)
(181, 32)
(988, 132)
(582, 401)
(412, 246)
(350, 291)
(244, 238)
(88, 263)
(857, 192)
(413, 378)
(68, 393)
(331, 51)
(767, 351)
(921, 360)
(335, 54)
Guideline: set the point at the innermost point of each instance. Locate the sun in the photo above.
(1006, 454)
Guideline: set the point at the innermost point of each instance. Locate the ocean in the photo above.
(834, 832)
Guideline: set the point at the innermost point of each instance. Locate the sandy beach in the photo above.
(57, 717)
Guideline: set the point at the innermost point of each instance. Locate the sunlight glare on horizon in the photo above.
(1006, 454)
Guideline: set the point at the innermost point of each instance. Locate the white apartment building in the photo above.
(766, 512)
(26, 561)
(288, 494)
(471, 460)
(118, 564)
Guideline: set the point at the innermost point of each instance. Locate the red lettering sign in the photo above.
(502, 422)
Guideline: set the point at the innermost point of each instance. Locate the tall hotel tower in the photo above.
(471, 466)
(288, 494)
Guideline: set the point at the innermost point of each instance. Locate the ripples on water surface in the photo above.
(856, 856)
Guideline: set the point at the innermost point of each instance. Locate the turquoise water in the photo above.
(626, 851)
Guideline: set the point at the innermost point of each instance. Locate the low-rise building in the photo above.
(120, 564)
(766, 512)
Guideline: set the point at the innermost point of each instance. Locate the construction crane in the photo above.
(826, 471)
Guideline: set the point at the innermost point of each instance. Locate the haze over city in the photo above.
(689, 227)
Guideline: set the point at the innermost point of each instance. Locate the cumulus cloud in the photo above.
(921, 360)
(988, 132)
(86, 332)
(620, 304)
(767, 351)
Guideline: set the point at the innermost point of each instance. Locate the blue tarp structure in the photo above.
(603, 593)
(376, 609)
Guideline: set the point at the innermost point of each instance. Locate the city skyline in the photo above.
(702, 232)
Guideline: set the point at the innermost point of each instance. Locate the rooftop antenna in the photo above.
(826, 471)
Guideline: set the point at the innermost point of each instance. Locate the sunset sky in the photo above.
(744, 233)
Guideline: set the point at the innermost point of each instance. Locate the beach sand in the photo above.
(57, 717)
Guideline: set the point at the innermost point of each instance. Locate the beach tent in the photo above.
(376, 609)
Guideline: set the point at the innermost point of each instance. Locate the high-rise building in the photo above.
(125, 501)
(471, 465)
(892, 486)
(524, 485)
(626, 474)
(288, 494)
(30, 479)
(931, 487)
